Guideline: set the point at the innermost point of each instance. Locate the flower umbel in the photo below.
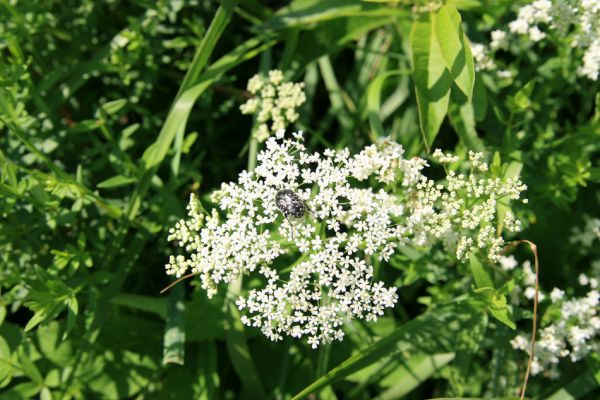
(354, 218)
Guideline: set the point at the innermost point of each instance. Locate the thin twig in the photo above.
(179, 280)
(533, 248)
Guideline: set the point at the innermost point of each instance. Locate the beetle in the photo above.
(290, 205)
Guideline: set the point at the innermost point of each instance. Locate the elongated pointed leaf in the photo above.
(576, 388)
(455, 49)
(309, 12)
(432, 79)
(431, 333)
(374, 102)
(414, 372)
(462, 118)
(174, 339)
(116, 181)
(239, 352)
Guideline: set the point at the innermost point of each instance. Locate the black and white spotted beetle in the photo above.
(290, 204)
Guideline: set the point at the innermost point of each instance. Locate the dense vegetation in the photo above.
(113, 113)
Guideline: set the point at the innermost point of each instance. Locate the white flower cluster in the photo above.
(484, 61)
(348, 218)
(274, 100)
(571, 324)
(588, 235)
(572, 334)
(580, 19)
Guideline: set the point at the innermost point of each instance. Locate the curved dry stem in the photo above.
(533, 248)
(179, 280)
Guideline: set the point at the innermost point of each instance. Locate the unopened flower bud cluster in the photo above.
(579, 20)
(275, 101)
(353, 214)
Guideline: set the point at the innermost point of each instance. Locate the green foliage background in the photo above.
(113, 112)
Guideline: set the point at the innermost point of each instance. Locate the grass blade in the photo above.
(174, 339)
(431, 333)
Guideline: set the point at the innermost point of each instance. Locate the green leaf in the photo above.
(189, 142)
(180, 111)
(190, 89)
(237, 347)
(576, 388)
(462, 118)
(29, 368)
(25, 390)
(116, 181)
(494, 299)
(594, 174)
(466, 4)
(209, 41)
(174, 339)
(337, 96)
(503, 315)
(151, 304)
(2, 313)
(469, 340)
(50, 344)
(415, 371)
(37, 318)
(432, 79)
(374, 102)
(521, 101)
(309, 12)
(112, 107)
(473, 398)
(455, 49)
(431, 333)
(482, 278)
(5, 356)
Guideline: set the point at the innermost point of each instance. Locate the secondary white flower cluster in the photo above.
(577, 19)
(349, 218)
(573, 332)
(571, 324)
(587, 235)
(484, 61)
(462, 212)
(274, 100)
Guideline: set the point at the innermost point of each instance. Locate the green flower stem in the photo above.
(252, 152)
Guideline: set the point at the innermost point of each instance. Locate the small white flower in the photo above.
(508, 263)
(556, 295)
(499, 39)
